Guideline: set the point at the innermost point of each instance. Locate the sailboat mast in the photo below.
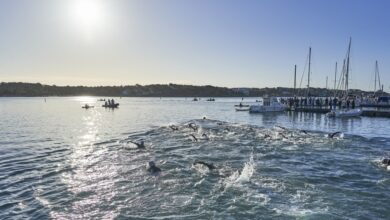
(327, 83)
(376, 66)
(335, 80)
(379, 78)
(308, 75)
(347, 72)
(295, 80)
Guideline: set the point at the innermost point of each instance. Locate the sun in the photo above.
(88, 15)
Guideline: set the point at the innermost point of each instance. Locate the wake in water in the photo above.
(219, 170)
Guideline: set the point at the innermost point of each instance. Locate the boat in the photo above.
(116, 105)
(341, 113)
(346, 113)
(101, 100)
(269, 105)
(241, 105)
(242, 109)
(86, 106)
(376, 99)
(210, 100)
(195, 99)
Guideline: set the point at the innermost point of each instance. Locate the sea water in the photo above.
(59, 161)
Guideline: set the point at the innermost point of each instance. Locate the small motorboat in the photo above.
(210, 100)
(195, 99)
(116, 105)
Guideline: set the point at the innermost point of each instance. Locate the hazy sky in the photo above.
(220, 42)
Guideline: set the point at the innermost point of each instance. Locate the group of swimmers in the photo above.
(153, 169)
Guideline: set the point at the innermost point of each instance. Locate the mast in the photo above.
(379, 78)
(376, 66)
(335, 79)
(326, 82)
(347, 72)
(308, 75)
(295, 80)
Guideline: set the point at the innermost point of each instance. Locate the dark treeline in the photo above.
(14, 89)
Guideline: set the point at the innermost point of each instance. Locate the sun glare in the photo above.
(88, 15)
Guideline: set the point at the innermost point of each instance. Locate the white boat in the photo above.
(269, 105)
(345, 113)
(242, 109)
(354, 112)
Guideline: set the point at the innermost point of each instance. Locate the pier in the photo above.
(366, 112)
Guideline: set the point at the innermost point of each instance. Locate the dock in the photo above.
(366, 112)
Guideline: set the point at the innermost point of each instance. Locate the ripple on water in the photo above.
(260, 172)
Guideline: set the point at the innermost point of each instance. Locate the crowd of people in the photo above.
(109, 102)
(321, 102)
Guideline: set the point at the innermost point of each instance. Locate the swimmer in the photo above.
(283, 128)
(208, 165)
(194, 138)
(193, 126)
(174, 127)
(386, 161)
(335, 134)
(140, 145)
(205, 137)
(303, 131)
(153, 168)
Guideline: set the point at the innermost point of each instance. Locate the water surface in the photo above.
(60, 161)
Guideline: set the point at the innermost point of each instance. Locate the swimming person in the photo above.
(194, 138)
(174, 127)
(386, 161)
(193, 126)
(153, 169)
(205, 137)
(140, 145)
(208, 165)
(335, 134)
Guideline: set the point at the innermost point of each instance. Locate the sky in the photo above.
(232, 43)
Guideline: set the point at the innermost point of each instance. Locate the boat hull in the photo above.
(111, 106)
(263, 109)
(345, 113)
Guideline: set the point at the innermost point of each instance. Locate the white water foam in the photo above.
(244, 176)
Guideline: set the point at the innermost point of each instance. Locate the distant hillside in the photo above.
(13, 89)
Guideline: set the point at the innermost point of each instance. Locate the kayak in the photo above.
(87, 107)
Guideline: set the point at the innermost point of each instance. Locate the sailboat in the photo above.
(376, 100)
(346, 112)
